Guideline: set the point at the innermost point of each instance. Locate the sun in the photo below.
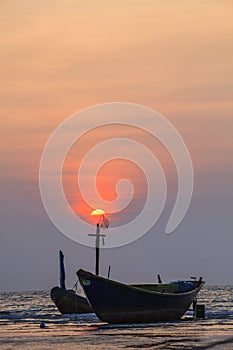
(97, 212)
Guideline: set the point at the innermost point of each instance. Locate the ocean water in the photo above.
(21, 315)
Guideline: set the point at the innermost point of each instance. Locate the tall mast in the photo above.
(62, 270)
(97, 250)
(97, 247)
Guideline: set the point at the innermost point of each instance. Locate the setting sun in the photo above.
(97, 212)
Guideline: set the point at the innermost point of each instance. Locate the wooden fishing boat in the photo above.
(69, 302)
(115, 302)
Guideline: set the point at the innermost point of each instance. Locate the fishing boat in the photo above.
(67, 300)
(115, 302)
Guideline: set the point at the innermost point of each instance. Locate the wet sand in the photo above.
(201, 334)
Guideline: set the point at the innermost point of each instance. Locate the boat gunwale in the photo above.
(138, 289)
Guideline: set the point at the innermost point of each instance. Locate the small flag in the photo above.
(104, 222)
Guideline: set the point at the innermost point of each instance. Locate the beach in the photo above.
(22, 313)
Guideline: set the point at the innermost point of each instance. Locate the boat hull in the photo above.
(115, 302)
(68, 302)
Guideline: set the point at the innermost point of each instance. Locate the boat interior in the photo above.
(170, 288)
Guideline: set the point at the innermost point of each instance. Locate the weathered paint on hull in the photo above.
(68, 302)
(115, 302)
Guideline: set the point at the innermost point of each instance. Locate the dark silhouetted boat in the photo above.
(115, 302)
(67, 300)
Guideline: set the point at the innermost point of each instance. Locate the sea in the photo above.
(23, 313)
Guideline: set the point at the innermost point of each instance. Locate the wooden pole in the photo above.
(109, 269)
(97, 247)
(97, 250)
(62, 270)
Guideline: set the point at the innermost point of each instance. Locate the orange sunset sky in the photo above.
(58, 57)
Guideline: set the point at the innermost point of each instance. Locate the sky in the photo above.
(58, 57)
